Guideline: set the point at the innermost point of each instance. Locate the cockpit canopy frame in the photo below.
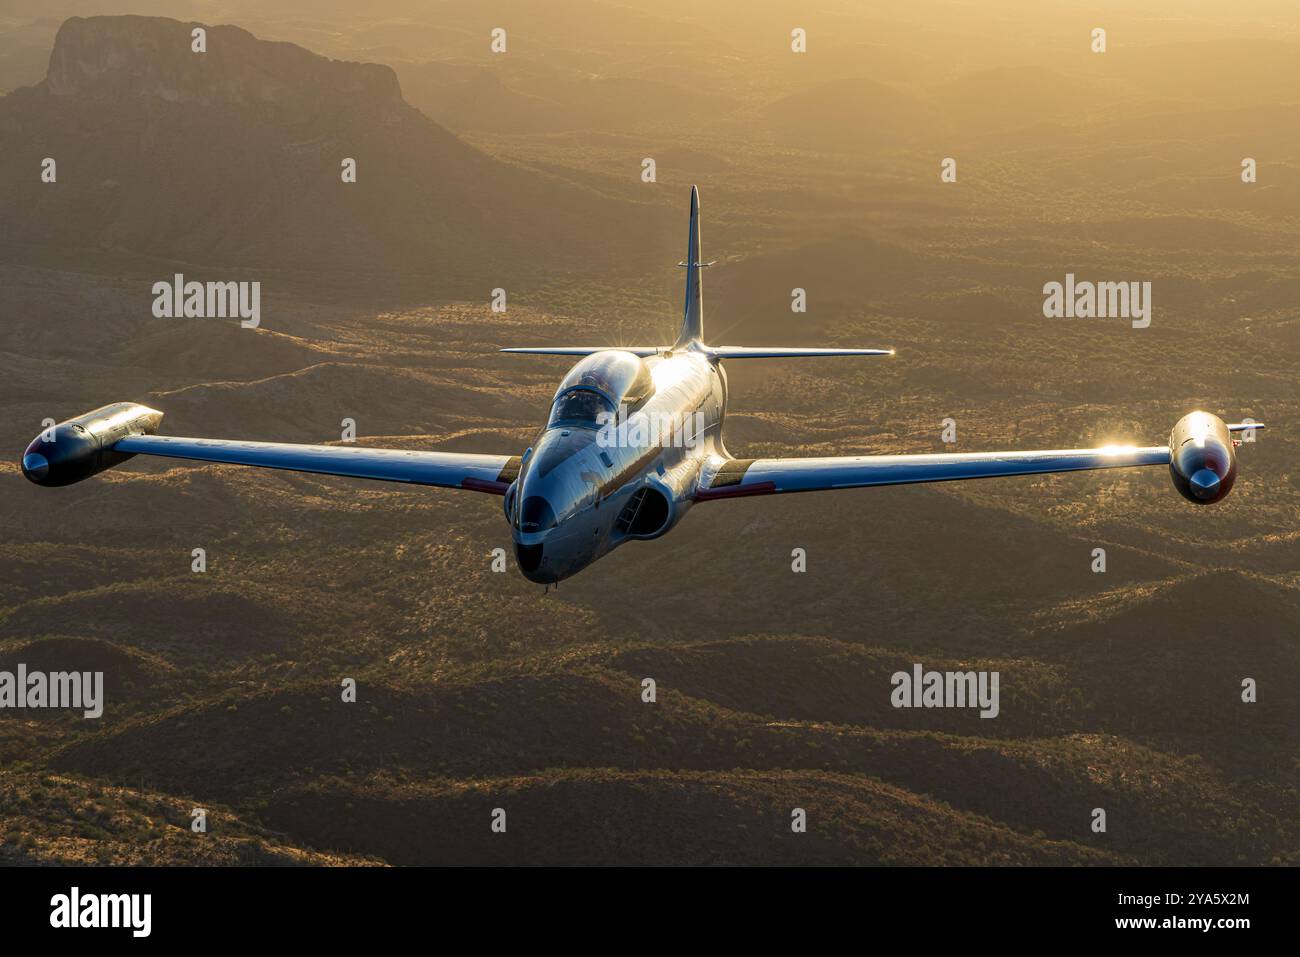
(601, 382)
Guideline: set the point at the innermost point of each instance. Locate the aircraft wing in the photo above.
(478, 473)
(735, 478)
(642, 351)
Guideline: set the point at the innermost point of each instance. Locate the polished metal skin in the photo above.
(1203, 459)
(89, 444)
(583, 489)
(632, 441)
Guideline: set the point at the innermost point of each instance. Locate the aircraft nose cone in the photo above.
(35, 466)
(1204, 483)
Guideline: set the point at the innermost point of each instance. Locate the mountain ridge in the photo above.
(237, 157)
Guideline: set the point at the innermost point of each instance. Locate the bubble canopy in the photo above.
(600, 383)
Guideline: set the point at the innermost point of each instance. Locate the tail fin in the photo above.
(693, 321)
(693, 315)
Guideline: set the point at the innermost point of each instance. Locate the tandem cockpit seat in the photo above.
(602, 384)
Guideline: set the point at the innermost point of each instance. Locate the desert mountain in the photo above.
(233, 157)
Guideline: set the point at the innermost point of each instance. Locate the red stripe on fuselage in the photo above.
(735, 491)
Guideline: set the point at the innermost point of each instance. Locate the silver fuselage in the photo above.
(584, 490)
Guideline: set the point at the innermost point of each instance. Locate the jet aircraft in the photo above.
(632, 442)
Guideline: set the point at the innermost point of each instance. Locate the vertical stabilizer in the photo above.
(693, 316)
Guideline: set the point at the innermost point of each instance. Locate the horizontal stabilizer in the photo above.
(1244, 426)
(642, 351)
(779, 352)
